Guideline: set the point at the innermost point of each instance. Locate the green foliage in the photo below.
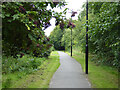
(104, 35)
(25, 64)
(59, 36)
(23, 25)
(56, 36)
(103, 32)
(39, 78)
(66, 39)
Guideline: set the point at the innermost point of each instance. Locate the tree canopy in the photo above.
(23, 27)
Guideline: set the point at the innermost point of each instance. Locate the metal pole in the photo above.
(86, 56)
(64, 40)
(71, 41)
(71, 38)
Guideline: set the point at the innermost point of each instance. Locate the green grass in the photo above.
(37, 79)
(100, 76)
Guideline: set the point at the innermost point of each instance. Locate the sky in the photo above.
(75, 5)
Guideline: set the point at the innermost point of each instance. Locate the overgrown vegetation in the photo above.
(104, 33)
(24, 44)
(25, 64)
(23, 27)
(38, 76)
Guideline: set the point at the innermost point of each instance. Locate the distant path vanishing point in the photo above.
(69, 74)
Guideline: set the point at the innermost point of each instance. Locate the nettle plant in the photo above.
(23, 27)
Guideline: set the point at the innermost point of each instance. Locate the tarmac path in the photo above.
(69, 74)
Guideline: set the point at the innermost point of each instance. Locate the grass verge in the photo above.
(37, 79)
(100, 76)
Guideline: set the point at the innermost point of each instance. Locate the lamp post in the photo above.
(73, 14)
(71, 37)
(86, 55)
(72, 26)
(64, 40)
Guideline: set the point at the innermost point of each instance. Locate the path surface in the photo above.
(69, 74)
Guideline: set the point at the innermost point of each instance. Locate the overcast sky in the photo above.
(74, 5)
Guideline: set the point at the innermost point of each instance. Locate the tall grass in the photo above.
(29, 72)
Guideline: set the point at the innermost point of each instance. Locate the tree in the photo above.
(23, 27)
(56, 36)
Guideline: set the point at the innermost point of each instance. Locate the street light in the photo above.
(86, 55)
(71, 37)
(72, 26)
(73, 14)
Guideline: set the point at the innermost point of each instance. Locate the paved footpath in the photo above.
(69, 74)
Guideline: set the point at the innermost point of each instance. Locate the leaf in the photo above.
(16, 16)
(27, 26)
(9, 20)
(65, 10)
(7, 14)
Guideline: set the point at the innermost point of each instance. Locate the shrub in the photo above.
(25, 64)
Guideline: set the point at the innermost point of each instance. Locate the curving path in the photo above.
(69, 74)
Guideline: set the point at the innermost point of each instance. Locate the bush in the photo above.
(25, 64)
